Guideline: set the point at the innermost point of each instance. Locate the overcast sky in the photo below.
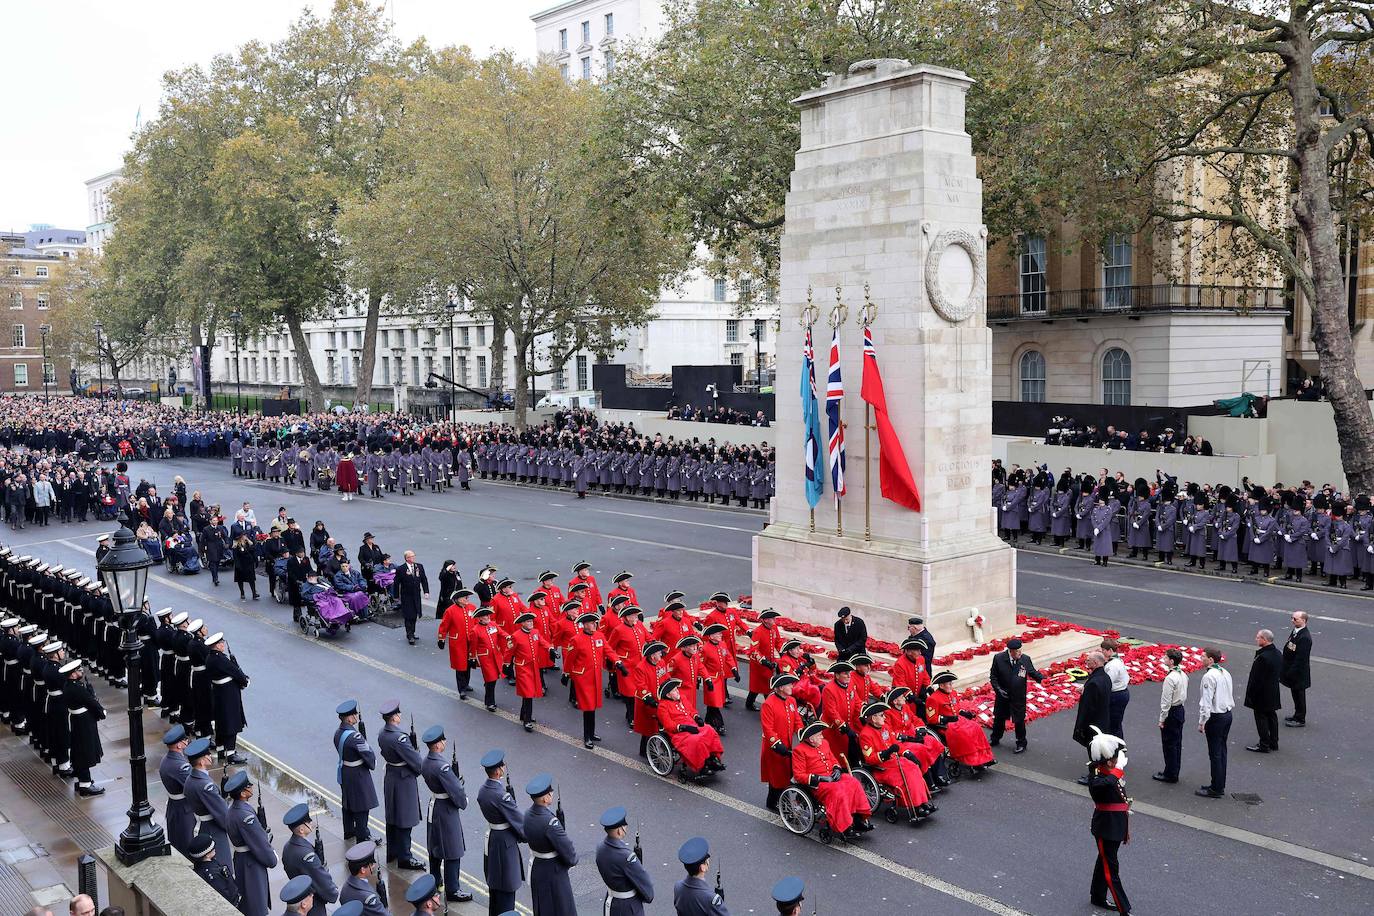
(78, 72)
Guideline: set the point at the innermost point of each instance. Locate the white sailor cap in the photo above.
(195, 625)
(38, 639)
(70, 666)
(9, 622)
(214, 638)
(163, 613)
(180, 618)
(54, 646)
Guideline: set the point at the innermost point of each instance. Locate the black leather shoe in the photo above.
(1294, 723)
(1105, 906)
(1257, 748)
(459, 897)
(411, 865)
(1019, 749)
(1160, 777)
(238, 760)
(1082, 780)
(89, 791)
(1205, 792)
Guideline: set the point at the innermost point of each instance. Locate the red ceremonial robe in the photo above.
(780, 723)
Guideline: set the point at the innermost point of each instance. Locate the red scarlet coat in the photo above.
(629, 641)
(905, 721)
(840, 707)
(504, 610)
(730, 619)
(346, 475)
(527, 652)
(454, 630)
(487, 644)
(766, 643)
(896, 771)
(556, 598)
(807, 690)
(668, 630)
(626, 590)
(593, 592)
(912, 675)
(780, 723)
(646, 681)
(964, 737)
(690, 672)
(565, 630)
(544, 619)
(842, 799)
(866, 687)
(587, 657)
(694, 748)
(718, 664)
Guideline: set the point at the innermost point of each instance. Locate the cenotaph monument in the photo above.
(885, 197)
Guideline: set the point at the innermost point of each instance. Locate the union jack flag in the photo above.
(834, 398)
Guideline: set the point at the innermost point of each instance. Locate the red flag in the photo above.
(894, 476)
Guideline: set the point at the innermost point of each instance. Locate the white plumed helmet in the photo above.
(1104, 747)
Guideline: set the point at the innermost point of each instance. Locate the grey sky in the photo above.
(78, 72)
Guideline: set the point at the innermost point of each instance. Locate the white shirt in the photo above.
(1215, 696)
(1116, 670)
(1175, 692)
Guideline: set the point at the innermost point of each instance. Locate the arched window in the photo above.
(1116, 376)
(1032, 370)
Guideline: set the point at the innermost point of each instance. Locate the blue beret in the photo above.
(347, 708)
(174, 734)
(297, 889)
(432, 734)
(421, 889)
(788, 890)
(351, 908)
(237, 782)
(612, 818)
(298, 815)
(539, 785)
(694, 851)
(493, 758)
(197, 748)
(361, 853)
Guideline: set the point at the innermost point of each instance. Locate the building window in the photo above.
(448, 367)
(582, 384)
(586, 68)
(718, 289)
(563, 71)
(610, 24)
(1116, 271)
(49, 374)
(481, 335)
(16, 300)
(463, 335)
(481, 372)
(586, 31)
(21, 375)
(1116, 376)
(463, 369)
(760, 330)
(40, 271)
(1032, 274)
(415, 371)
(560, 380)
(19, 340)
(562, 39)
(732, 330)
(42, 300)
(386, 371)
(15, 270)
(609, 56)
(1032, 376)
(737, 358)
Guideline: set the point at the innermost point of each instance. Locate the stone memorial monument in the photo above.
(885, 196)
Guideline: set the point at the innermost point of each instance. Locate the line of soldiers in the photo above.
(1296, 530)
(312, 461)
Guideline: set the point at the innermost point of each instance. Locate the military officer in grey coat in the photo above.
(400, 786)
(553, 851)
(357, 760)
(692, 896)
(628, 885)
(502, 863)
(362, 868)
(174, 770)
(298, 858)
(207, 803)
(253, 853)
(448, 797)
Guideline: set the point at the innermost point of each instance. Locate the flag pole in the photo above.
(809, 314)
(866, 316)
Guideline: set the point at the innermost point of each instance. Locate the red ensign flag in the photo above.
(894, 477)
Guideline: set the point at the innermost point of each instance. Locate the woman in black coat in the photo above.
(246, 566)
(450, 580)
(318, 535)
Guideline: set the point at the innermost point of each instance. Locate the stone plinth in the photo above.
(885, 192)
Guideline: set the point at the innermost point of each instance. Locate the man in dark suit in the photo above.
(412, 586)
(1094, 706)
(1010, 671)
(851, 635)
(1262, 692)
(916, 629)
(1297, 668)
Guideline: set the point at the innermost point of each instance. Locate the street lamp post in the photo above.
(236, 317)
(100, 356)
(757, 334)
(43, 331)
(124, 572)
(452, 363)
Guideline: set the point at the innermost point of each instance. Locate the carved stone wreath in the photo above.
(956, 312)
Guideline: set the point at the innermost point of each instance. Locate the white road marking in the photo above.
(677, 521)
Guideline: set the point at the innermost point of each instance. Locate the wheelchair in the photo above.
(664, 759)
(281, 593)
(381, 601)
(801, 810)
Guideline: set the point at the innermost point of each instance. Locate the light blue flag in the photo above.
(815, 477)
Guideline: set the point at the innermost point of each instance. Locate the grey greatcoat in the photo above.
(503, 865)
(357, 760)
(628, 885)
(1166, 514)
(1197, 533)
(1101, 518)
(554, 856)
(181, 822)
(1228, 537)
(1263, 535)
(298, 858)
(1295, 541)
(358, 888)
(447, 798)
(253, 857)
(212, 813)
(1138, 533)
(400, 785)
(694, 897)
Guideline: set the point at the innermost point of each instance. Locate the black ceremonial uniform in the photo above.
(1110, 828)
(215, 874)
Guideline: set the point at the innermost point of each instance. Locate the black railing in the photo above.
(1128, 300)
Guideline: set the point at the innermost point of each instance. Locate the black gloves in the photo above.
(440, 643)
(887, 754)
(689, 729)
(849, 732)
(620, 666)
(736, 675)
(905, 738)
(564, 680)
(912, 757)
(945, 720)
(782, 750)
(770, 665)
(966, 714)
(700, 720)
